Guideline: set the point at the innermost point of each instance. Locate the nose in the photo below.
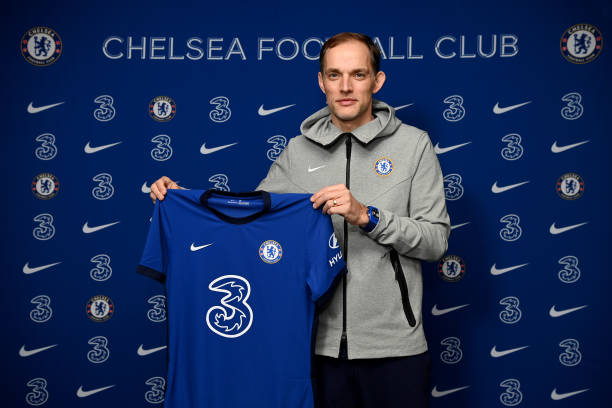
(345, 84)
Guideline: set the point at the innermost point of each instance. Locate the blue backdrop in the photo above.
(514, 96)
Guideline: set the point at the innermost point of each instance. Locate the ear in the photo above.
(321, 82)
(379, 81)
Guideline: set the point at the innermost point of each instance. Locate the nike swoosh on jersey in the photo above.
(441, 150)
(496, 354)
(558, 149)
(403, 106)
(495, 271)
(197, 248)
(310, 170)
(27, 353)
(436, 394)
(27, 270)
(555, 230)
(88, 149)
(204, 150)
(32, 109)
(439, 312)
(145, 189)
(556, 313)
(88, 230)
(498, 111)
(555, 396)
(82, 394)
(265, 112)
(495, 189)
(458, 225)
(145, 352)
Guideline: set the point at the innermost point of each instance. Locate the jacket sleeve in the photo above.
(278, 180)
(424, 233)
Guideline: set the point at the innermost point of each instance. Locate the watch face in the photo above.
(375, 213)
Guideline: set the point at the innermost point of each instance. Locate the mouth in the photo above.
(346, 101)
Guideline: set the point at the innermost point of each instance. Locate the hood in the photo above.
(319, 128)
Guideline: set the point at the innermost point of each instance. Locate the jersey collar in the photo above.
(264, 195)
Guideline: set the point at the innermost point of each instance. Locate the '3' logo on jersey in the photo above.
(234, 317)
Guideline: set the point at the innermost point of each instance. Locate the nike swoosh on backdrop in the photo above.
(204, 150)
(441, 150)
(436, 394)
(82, 394)
(439, 312)
(27, 353)
(558, 149)
(402, 107)
(27, 270)
(310, 170)
(265, 112)
(495, 189)
(88, 230)
(498, 111)
(495, 271)
(197, 248)
(458, 225)
(496, 354)
(145, 189)
(555, 230)
(88, 149)
(555, 396)
(557, 313)
(32, 109)
(145, 352)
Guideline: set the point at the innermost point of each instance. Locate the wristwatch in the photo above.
(373, 217)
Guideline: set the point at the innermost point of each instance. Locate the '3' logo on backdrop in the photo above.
(279, 143)
(455, 112)
(222, 112)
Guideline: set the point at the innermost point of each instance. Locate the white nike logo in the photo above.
(88, 230)
(145, 189)
(144, 352)
(441, 150)
(32, 109)
(310, 170)
(498, 111)
(266, 112)
(496, 354)
(435, 393)
(556, 313)
(27, 270)
(204, 150)
(554, 230)
(403, 106)
(558, 149)
(197, 248)
(458, 225)
(498, 190)
(495, 271)
(27, 353)
(82, 394)
(439, 312)
(88, 149)
(558, 397)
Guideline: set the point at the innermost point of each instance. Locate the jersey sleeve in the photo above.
(326, 262)
(152, 262)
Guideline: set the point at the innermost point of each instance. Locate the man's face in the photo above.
(348, 82)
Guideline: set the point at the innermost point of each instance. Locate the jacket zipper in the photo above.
(401, 281)
(343, 354)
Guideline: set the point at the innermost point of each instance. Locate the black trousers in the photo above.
(395, 382)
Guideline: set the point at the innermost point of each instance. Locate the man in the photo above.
(381, 181)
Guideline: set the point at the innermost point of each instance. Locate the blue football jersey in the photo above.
(244, 274)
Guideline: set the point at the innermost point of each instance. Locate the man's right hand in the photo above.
(160, 188)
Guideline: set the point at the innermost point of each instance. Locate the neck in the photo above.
(349, 126)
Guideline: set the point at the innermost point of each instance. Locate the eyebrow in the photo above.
(336, 70)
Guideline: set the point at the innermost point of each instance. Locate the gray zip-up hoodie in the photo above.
(393, 167)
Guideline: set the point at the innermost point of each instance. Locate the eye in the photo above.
(332, 75)
(359, 75)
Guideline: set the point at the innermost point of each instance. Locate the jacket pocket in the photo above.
(401, 281)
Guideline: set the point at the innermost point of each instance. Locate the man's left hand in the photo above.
(337, 199)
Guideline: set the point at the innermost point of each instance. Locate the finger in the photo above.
(323, 198)
(155, 190)
(327, 189)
